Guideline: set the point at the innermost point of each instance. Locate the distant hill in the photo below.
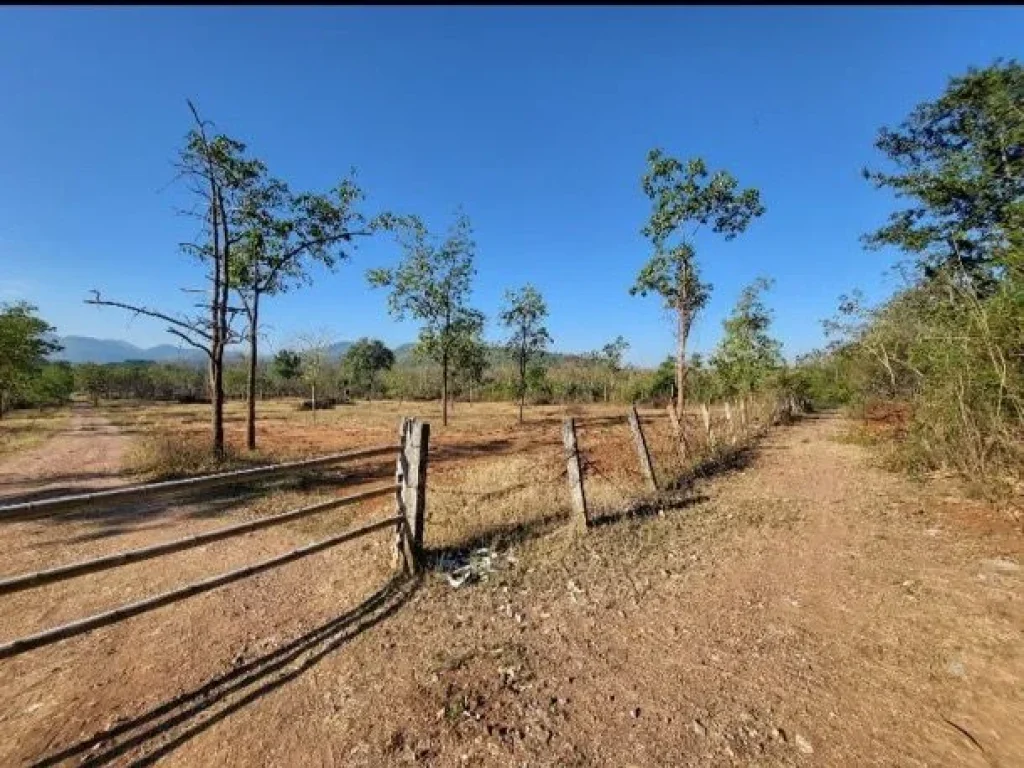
(86, 349)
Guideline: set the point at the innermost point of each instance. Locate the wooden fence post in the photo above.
(575, 475)
(641, 448)
(411, 491)
(677, 428)
(705, 413)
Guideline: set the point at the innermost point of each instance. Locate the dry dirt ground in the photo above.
(803, 608)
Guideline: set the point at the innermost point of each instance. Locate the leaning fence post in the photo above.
(641, 448)
(403, 550)
(705, 413)
(412, 489)
(575, 474)
(677, 428)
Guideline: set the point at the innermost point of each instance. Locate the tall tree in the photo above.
(220, 175)
(524, 314)
(24, 346)
(959, 160)
(747, 354)
(684, 200)
(364, 361)
(284, 236)
(432, 284)
(611, 357)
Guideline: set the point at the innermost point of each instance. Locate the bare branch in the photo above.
(174, 321)
(190, 341)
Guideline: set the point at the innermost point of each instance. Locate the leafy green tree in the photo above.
(24, 346)
(958, 160)
(287, 364)
(53, 385)
(611, 357)
(524, 314)
(432, 284)
(747, 355)
(92, 379)
(685, 200)
(364, 361)
(469, 358)
(284, 235)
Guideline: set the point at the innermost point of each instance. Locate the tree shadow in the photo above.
(161, 730)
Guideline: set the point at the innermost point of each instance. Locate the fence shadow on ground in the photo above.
(156, 733)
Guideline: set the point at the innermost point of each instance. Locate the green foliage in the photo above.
(432, 284)
(747, 356)
(287, 364)
(523, 315)
(947, 349)
(684, 200)
(957, 160)
(364, 361)
(25, 345)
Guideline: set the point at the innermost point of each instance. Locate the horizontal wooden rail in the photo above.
(135, 492)
(74, 628)
(63, 572)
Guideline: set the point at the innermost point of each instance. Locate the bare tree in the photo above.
(219, 175)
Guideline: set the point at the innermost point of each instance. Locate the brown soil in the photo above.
(805, 608)
(87, 454)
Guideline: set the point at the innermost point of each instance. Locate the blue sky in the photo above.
(535, 120)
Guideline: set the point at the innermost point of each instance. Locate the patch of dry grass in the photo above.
(22, 430)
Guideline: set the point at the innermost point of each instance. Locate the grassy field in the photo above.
(489, 475)
(22, 430)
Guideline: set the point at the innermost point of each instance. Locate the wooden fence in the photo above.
(409, 489)
(742, 421)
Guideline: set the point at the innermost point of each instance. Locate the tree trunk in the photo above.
(444, 389)
(312, 399)
(217, 401)
(684, 332)
(250, 425)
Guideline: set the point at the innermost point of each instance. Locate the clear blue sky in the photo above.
(536, 120)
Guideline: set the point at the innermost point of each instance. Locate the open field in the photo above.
(803, 608)
(22, 430)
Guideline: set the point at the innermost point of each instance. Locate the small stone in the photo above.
(636, 712)
(777, 734)
(803, 745)
(699, 728)
(956, 668)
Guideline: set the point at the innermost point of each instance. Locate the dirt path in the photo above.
(87, 454)
(805, 609)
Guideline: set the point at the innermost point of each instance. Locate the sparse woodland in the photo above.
(943, 357)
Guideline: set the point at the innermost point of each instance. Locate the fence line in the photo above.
(61, 573)
(95, 621)
(135, 492)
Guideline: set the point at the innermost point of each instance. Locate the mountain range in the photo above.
(86, 349)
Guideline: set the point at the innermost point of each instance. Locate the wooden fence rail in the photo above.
(65, 631)
(60, 573)
(187, 485)
(409, 490)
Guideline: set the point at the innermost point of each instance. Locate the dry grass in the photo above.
(22, 430)
(493, 481)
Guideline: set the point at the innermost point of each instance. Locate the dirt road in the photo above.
(805, 609)
(87, 454)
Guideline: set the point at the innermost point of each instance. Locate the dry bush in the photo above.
(173, 455)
